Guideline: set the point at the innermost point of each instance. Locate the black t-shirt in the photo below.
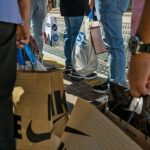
(74, 7)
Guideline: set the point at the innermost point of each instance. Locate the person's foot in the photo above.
(91, 76)
(102, 89)
(75, 76)
(68, 69)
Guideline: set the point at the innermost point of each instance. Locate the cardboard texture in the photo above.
(97, 40)
(135, 134)
(40, 105)
(89, 129)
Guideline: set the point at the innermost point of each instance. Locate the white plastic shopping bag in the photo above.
(84, 59)
(50, 31)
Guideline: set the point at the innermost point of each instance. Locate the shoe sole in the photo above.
(100, 91)
(77, 77)
(90, 78)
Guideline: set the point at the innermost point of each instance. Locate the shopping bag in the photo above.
(132, 115)
(97, 40)
(26, 60)
(40, 109)
(90, 129)
(25, 54)
(50, 31)
(84, 59)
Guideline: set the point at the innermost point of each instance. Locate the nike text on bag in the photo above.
(92, 130)
(97, 40)
(84, 59)
(50, 31)
(40, 110)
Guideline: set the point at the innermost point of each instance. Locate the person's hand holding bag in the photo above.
(23, 30)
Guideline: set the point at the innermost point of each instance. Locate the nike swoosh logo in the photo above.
(37, 137)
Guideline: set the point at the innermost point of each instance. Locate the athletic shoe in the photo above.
(75, 76)
(68, 69)
(102, 89)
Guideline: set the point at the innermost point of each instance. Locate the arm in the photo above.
(144, 26)
(139, 70)
(23, 31)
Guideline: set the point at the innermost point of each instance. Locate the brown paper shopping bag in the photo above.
(89, 129)
(134, 133)
(40, 105)
(97, 40)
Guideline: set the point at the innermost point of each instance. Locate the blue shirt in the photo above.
(9, 11)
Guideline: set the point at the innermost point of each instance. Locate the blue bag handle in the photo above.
(28, 51)
(20, 58)
(30, 54)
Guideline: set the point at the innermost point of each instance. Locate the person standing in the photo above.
(139, 45)
(12, 12)
(109, 14)
(38, 12)
(73, 12)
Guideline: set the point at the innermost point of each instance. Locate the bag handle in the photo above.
(21, 54)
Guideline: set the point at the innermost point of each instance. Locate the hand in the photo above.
(22, 35)
(49, 6)
(139, 74)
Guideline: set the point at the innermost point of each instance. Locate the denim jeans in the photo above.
(73, 25)
(38, 12)
(109, 13)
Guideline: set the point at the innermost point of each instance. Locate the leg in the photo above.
(37, 19)
(98, 8)
(72, 28)
(75, 27)
(67, 41)
(7, 80)
(111, 19)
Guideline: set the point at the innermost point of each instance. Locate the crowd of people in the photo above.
(15, 21)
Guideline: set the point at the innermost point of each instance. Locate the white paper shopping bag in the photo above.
(50, 31)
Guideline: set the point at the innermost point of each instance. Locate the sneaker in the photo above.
(90, 76)
(75, 76)
(102, 89)
(68, 69)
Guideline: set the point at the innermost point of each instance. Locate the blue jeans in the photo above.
(109, 13)
(73, 25)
